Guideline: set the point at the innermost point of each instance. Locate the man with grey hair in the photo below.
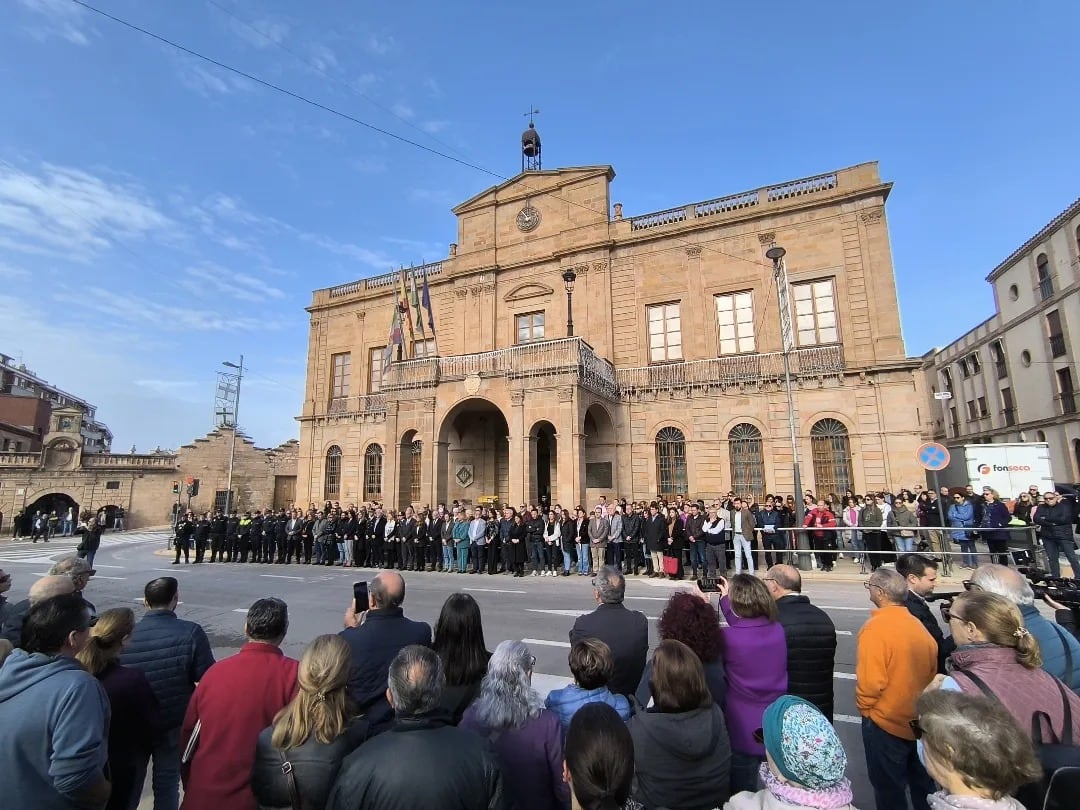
(80, 572)
(1058, 646)
(626, 632)
(895, 661)
(45, 588)
(425, 761)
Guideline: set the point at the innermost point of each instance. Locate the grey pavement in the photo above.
(539, 610)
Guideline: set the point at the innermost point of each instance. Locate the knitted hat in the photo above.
(803, 744)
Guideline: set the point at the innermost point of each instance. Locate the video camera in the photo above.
(946, 599)
(1063, 590)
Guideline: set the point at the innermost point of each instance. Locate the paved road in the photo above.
(539, 610)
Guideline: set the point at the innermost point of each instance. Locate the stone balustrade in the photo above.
(430, 270)
(363, 404)
(20, 459)
(128, 461)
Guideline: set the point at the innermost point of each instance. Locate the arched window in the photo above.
(332, 478)
(831, 452)
(1046, 284)
(670, 462)
(373, 473)
(747, 461)
(416, 457)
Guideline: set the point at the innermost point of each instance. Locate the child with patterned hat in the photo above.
(804, 761)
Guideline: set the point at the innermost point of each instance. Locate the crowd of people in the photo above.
(732, 709)
(655, 538)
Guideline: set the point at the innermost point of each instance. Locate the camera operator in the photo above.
(1053, 641)
(1054, 518)
(921, 575)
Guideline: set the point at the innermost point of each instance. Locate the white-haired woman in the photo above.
(526, 736)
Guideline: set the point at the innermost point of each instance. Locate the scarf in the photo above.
(946, 801)
(839, 795)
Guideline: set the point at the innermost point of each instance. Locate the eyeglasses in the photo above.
(868, 585)
(916, 729)
(532, 661)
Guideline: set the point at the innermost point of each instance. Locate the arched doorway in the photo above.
(671, 477)
(830, 449)
(58, 502)
(747, 461)
(373, 463)
(543, 461)
(598, 449)
(474, 453)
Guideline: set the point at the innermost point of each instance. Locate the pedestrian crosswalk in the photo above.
(25, 551)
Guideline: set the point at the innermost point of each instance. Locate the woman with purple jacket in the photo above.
(755, 659)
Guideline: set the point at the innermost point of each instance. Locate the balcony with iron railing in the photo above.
(1046, 288)
(362, 404)
(1067, 402)
(1057, 345)
(1008, 415)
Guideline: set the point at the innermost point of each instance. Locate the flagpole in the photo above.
(426, 301)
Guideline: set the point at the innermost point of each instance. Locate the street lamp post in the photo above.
(236, 412)
(776, 254)
(569, 277)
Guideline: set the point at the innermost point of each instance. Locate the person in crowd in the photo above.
(599, 764)
(896, 659)
(45, 588)
(1054, 519)
(905, 520)
(872, 525)
(598, 532)
(849, 518)
(692, 620)
(921, 575)
(552, 545)
(375, 637)
(460, 534)
(7, 608)
(425, 761)
(6, 648)
(518, 546)
(54, 714)
(997, 655)
(592, 666)
(526, 736)
(755, 659)
(459, 642)
(655, 535)
(821, 521)
(742, 529)
(993, 521)
(975, 750)
(626, 632)
(962, 524)
(810, 636)
(313, 733)
(80, 572)
(682, 754)
(236, 699)
(804, 764)
(174, 655)
(675, 540)
(91, 539)
(135, 720)
(1060, 650)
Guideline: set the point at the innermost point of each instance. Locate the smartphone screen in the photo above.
(709, 585)
(360, 599)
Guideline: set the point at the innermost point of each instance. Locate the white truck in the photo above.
(1008, 468)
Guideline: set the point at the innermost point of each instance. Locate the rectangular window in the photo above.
(815, 312)
(1008, 407)
(997, 351)
(112, 485)
(735, 319)
(375, 366)
(423, 348)
(983, 411)
(1055, 333)
(340, 366)
(964, 372)
(529, 327)
(221, 501)
(973, 362)
(665, 332)
(971, 412)
(954, 420)
(1067, 394)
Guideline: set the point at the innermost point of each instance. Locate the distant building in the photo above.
(23, 423)
(16, 380)
(1014, 376)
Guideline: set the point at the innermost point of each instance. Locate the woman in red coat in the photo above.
(235, 700)
(823, 535)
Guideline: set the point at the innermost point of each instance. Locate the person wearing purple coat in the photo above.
(755, 659)
(526, 736)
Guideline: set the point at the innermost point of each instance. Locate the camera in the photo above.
(946, 599)
(1063, 590)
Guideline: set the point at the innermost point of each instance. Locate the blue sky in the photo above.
(159, 215)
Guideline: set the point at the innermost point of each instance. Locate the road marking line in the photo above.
(650, 598)
(543, 643)
(847, 718)
(844, 676)
(844, 607)
(171, 570)
(489, 590)
(240, 610)
(281, 576)
(574, 613)
(843, 632)
(100, 565)
(101, 576)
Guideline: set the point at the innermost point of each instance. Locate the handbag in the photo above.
(671, 565)
(287, 770)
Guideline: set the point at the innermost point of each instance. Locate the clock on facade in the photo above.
(528, 218)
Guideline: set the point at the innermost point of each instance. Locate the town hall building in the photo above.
(580, 351)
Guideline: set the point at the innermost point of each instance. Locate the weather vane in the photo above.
(532, 111)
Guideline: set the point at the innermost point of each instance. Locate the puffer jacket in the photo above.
(811, 645)
(174, 654)
(315, 766)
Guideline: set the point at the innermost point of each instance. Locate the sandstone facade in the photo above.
(673, 381)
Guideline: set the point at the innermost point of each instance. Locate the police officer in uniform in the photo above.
(218, 528)
(202, 536)
(184, 529)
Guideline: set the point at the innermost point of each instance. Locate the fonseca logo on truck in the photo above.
(986, 469)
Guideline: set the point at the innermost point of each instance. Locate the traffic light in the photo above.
(193, 487)
(175, 487)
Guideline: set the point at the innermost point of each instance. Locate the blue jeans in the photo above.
(697, 556)
(566, 561)
(892, 765)
(583, 558)
(536, 556)
(448, 558)
(1053, 549)
(905, 545)
(616, 553)
(967, 551)
(166, 775)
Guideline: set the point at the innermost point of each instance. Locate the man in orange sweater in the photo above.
(896, 660)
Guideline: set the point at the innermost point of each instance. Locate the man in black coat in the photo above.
(921, 575)
(811, 639)
(1054, 519)
(626, 632)
(424, 761)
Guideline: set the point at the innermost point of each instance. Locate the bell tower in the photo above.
(530, 145)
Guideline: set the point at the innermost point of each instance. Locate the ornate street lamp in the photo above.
(569, 277)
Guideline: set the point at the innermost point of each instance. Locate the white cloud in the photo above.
(365, 81)
(433, 87)
(434, 127)
(63, 19)
(212, 281)
(71, 213)
(210, 81)
(10, 272)
(136, 310)
(322, 57)
(403, 110)
(379, 45)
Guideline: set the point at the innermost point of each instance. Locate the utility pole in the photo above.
(232, 399)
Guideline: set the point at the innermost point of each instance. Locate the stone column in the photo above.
(518, 457)
(391, 457)
(427, 470)
(440, 472)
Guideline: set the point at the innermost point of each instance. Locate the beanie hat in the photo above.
(803, 743)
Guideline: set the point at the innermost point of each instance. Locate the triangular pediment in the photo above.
(528, 290)
(533, 184)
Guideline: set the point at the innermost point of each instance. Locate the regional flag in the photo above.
(414, 302)
(425, 301)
